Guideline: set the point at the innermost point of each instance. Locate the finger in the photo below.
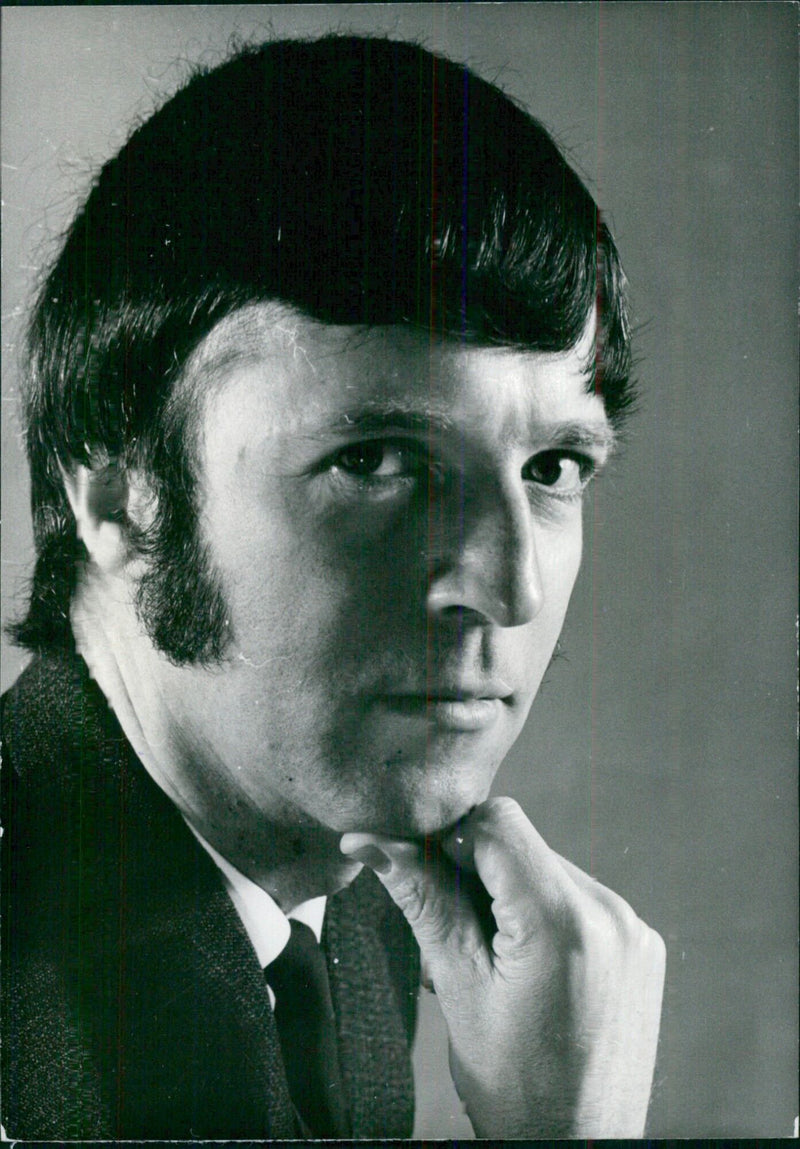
(628, 925)
(533, 885)
(441, 905)
(526, 880)
(590, 885)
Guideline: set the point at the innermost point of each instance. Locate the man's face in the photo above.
(396, 522)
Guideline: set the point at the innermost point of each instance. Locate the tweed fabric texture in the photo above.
(133, 1003)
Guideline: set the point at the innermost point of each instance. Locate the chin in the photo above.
(424, 796)
(429, 819)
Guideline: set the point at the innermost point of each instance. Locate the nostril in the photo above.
(462, 616)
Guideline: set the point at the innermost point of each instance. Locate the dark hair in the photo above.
(359, 180)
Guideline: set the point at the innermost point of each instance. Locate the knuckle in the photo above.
(409, 896)
(423, 908)
(629, 925)
(656, 947)
(642, 945)
(596, 930)
(612, 926)
(615, 934)
(498, 812)
(502, 820)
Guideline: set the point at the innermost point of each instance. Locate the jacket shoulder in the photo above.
(132, 997)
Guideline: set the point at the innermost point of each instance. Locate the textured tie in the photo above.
(307, 1031)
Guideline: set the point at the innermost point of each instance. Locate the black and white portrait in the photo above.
(399, 571)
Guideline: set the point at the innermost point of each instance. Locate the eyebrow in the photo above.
(597, 436)
(378, 417)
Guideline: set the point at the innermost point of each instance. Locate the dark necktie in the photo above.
(307, 1031)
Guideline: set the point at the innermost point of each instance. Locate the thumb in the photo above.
(435, 897)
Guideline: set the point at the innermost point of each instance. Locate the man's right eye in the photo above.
(378, 459)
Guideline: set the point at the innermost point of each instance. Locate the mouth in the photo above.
(452, 710)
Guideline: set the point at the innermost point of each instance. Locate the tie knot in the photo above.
(300, 966)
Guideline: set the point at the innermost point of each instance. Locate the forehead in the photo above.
(288, 374)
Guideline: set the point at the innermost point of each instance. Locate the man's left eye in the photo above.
(560, 471)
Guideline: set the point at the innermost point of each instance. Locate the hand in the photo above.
(549, 984)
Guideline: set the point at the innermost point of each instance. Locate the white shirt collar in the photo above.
(266, 924)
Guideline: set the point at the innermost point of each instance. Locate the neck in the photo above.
(289, 856)
(293, 865)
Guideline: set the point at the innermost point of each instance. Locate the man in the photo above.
(316, 385)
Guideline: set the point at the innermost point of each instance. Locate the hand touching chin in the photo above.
(549, 983)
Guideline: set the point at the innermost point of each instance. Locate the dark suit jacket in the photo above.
(133, 1003)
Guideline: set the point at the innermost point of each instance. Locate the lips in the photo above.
(462, 710)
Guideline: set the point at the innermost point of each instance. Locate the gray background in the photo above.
(661, 752)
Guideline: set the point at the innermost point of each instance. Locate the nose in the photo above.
(484, 559)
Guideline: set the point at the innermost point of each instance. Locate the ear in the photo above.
(99, 498)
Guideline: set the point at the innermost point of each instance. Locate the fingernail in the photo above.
(373, 857)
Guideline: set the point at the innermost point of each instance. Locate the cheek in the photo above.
(559, 556)
(306, 598)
